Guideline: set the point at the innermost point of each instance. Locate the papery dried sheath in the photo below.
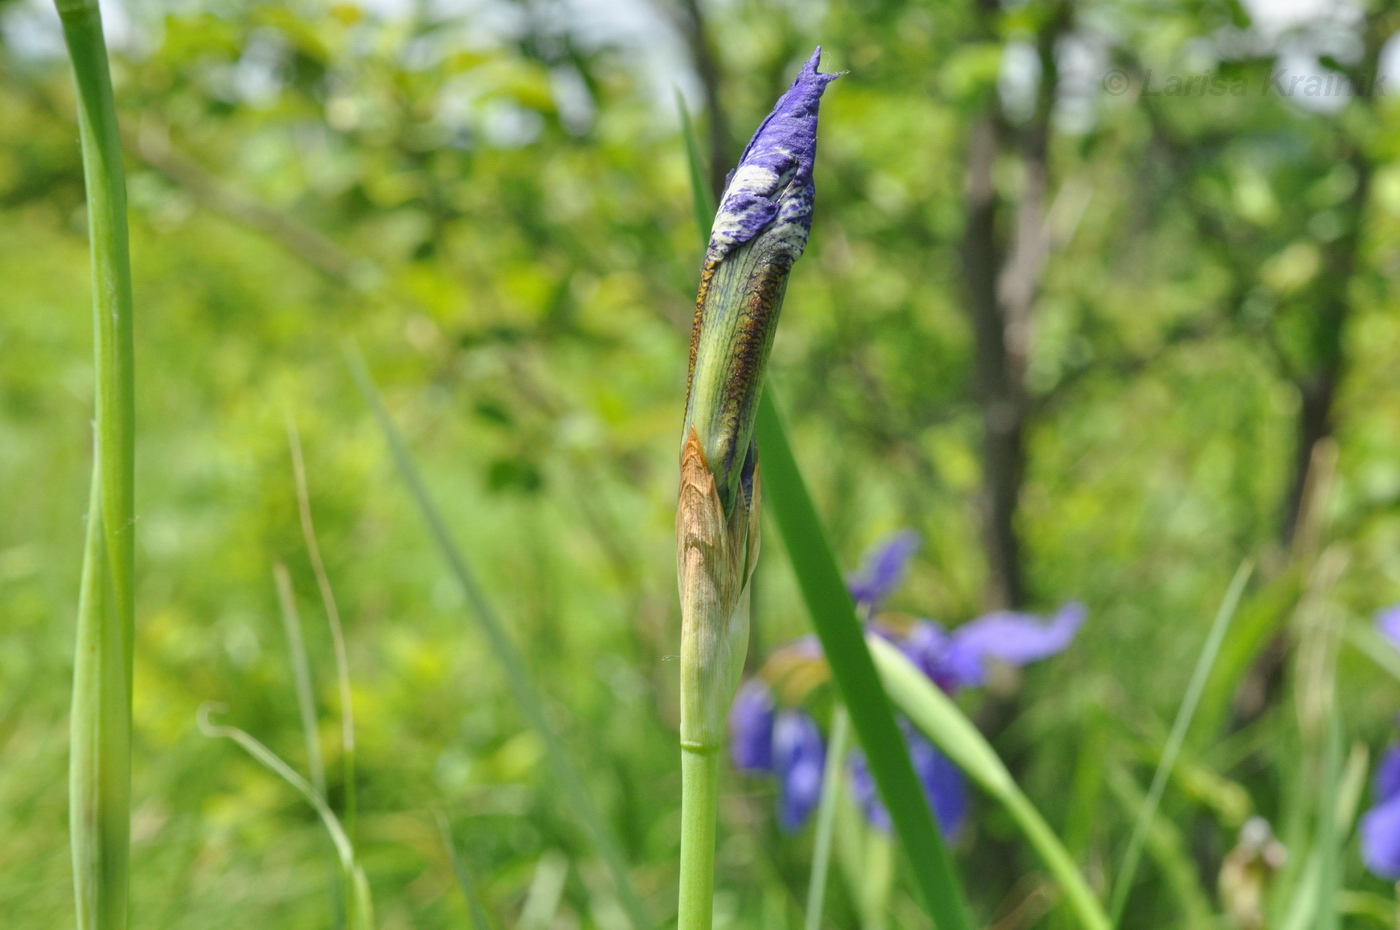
(715, 557)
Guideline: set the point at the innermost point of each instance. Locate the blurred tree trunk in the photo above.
(1321, 375)
(1317, 385)
(707, 69)
(1002, 282)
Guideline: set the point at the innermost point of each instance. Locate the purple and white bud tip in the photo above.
(772, 184)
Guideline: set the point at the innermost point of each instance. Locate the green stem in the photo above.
(826, 815)
(699, 808)
(1056, 858)
(301, 675)
(877, 882)
(100, 764)
(99, 779)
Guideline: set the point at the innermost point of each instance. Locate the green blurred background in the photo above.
(1092, 337)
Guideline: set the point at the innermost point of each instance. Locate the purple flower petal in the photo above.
(799, 755)
(1387, 780)
(1014, 638)
(751, 728)
(943, 784)
(866, 794)
(929, 647)
(771, 189)
(1388, 622)
(882, 569)
(1380, 840)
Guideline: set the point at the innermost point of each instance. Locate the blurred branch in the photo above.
(690, 19)
(1002, 283)
(1316, 379)
(151, 143)
(1127, 366)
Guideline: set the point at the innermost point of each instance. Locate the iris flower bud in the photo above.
(760, 229)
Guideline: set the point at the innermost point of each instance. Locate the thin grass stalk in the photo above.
(832, 787)
(1167, 848)
(702, 201)
(301, 675)
(100, 760)
(561, 765)
(1329, 882)
(306, 705)
(361, 903)
(464, 877)
(1204, 663)
(342, 658)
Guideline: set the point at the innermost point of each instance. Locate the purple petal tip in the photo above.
(771, 190)
(1388, 622)
(883, 568)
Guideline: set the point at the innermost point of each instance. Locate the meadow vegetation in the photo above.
(1093, 341)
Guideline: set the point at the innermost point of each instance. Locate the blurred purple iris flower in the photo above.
(786, 742)
(1380, 827)
(882, 569)
(943, 784)
(799, 757)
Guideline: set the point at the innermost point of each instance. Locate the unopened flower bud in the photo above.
(759, 231)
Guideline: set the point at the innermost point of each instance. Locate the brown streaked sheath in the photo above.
(735, 320)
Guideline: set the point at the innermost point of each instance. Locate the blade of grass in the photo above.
(934, 712)
(1329, 833)
(100, 762)
(362, 909)
(565, 773)
(306, 704)
(1176, 738)
(1373, 645)
(1167, 847)
(826, 816)
(701, 200)
(464, 877)
(545, 892)
(843, 642)
(301, 675)
(1376, 908)
(342, 658)
(1301, 752)
(834, 618)
(1303, 903)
